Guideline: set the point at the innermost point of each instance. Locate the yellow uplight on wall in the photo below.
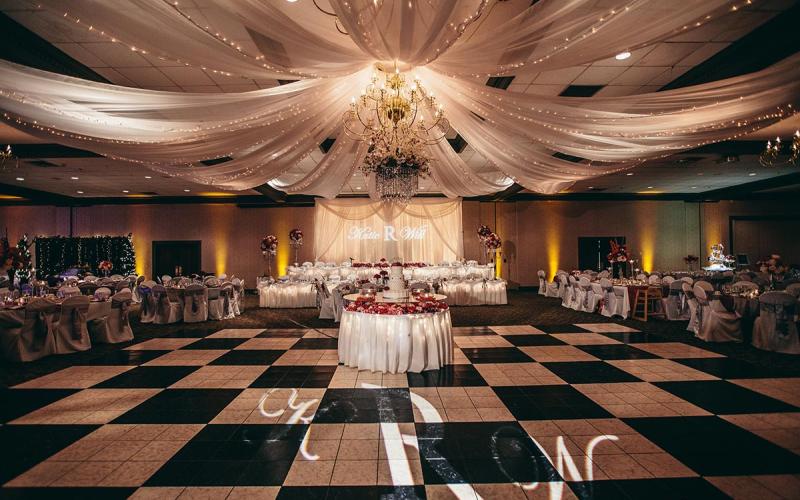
(10, 197)
(216, 194)
(221, 222)
(552, 238)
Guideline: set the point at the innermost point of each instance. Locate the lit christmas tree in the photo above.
(23, 259)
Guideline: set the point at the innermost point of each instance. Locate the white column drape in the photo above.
(335, 220)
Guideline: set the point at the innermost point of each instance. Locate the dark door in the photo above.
(592, 251)
(176, 258)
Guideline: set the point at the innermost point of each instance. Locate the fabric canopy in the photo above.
(269, 134)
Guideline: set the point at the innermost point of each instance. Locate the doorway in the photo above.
(176, 258)
(592, 251)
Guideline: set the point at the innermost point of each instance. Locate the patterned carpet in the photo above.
(543, 402)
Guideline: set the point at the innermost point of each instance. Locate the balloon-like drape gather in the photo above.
(269, 133)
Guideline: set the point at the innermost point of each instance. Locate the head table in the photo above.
(396, 343)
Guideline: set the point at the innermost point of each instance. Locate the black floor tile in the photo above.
(616, 351)
(248, 357)
(189, 331)
(549, 402)
(180, 406)
(351, 493)
(447, 376)
(122, 357)
(561, 328)
(364, 406)
(472, 331)
(67, 492)
(481, 452)
(146, 377)
(637, 337)
(295, 376)
(294, 333)
(233, 455)
(533, 340)
(24, 446)
(724, 398)
(15, 403)
(713, 447)
(496, 355)
(329, 343)
(589, 372)
(215, 344)
(731, 368)
(685, 488)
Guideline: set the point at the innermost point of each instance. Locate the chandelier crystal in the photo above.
(390, 117)
(769, 157)
(5, 154)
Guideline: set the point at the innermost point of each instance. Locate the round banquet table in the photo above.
(287, 295)
(396, 343)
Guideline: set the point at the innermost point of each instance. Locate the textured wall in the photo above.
(536, 234)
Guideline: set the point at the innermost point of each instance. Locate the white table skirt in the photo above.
(396, 344)
(287, 295)
(475, 292)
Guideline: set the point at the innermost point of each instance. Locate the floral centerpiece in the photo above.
(295, 241)
(387, 308)
(483, 232)
(269, 247)
(618, 257)
(397, 168)
(105, 266)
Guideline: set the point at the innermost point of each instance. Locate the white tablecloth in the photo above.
(409, 273)
(396, 344)
(475, 292)
(287, 295)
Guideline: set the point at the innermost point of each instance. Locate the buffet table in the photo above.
(475, 292)
(396, 343)
(287, 295)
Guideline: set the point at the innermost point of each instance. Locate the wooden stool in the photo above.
(645, 304)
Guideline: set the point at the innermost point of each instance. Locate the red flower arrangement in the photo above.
(386, 308)
(618, 253)
(296, 237)
(105, 265)
(483, 231)
(492, 241)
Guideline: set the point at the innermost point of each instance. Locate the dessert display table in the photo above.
(396, 343)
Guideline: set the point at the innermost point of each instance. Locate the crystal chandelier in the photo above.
(390, 117)
(769, 157)
(5, 154)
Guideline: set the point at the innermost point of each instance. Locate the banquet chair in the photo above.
(691, 302)
(603, 274)
(608, 307)
(166, 279)
(324, 301)
(69, 291)
(214, 301)
(135, 290)
(238, 296)
(419, 285)
(195, 304)
(542, 282)
(705, 285)
(87, 288)
(577, 294)
(589, 300)
(97, 319)
(775, 329)
(166, 311)
(29, 334)
(116, 277)
(648, 303)
(675, 304)
(147, 311)
(90, 278)
(551, 287)
(653, 279)
(714, 322)
(667, 280)
(122, 285)
(338, 299)
(71, 333)
(564, 290)
(117, 325)
(102, 293)
(794, 289)
(226, 297)
(688, 279)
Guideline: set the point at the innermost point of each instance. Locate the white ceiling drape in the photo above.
(269, 133)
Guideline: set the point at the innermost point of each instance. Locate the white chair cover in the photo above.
(565, 289)
(691, 302)
(641, 277)
(118, 324)
(577, 294)
(653, 280)
(715, 323)
(97, 319)
(238, 296)
(69, 291)
(226, 296)
(542, 282)
(688, 279)
(214, 302)
(71, 332)
(195, 304)
(29, 334)
(338, 299)
(87, 288)
(166, 279)
(588, 300)
(166, 310)
(324, 301)
(135, 292)
(609, 298)
(102, 293)
(147, 311)
(675, 304)
(775, 329)
(667, 280)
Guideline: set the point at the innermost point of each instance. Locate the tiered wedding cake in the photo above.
(397, 285)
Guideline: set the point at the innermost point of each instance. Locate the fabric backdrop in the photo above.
(423, 231)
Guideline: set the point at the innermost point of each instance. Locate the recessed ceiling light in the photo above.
(752, 174)
(649, 187)
(79, 192)
(694, 187)
(358, 187)
(591, 187)
(622, 56)
(147, 177)
(74, 178)
(629, 174)
(125, 191)
(20, 179)
(187, 190)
